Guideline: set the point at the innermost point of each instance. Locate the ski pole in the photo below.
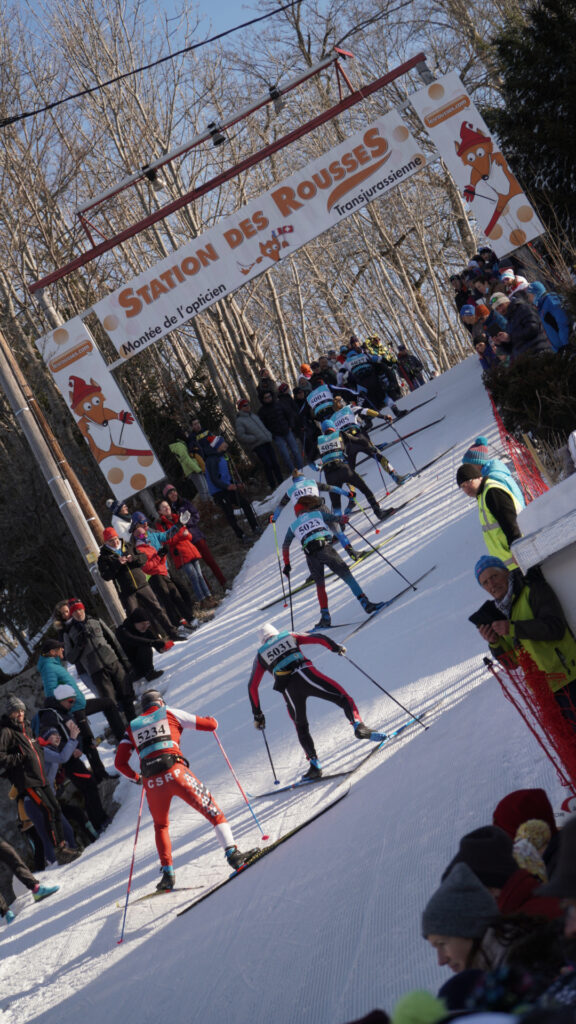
(121, 939)
(276, 779)
(279, 565)
(388, 562)
(405, 447)
(410, 713)
(362, 509)
(382, 477)
(290, 600)
(237, 781)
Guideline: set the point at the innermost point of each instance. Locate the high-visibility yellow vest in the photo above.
(494, 536)
(557, 658)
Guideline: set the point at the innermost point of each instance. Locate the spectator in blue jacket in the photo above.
(55, 679)
(552, 314)
(225, 492)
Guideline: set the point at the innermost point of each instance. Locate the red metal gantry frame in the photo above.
(232, 172)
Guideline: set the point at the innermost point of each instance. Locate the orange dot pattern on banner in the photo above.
(496, 232)
(115, 475)
(60, 336)
(110, 323)
(524, 213)
(138, 481)
(401, 133)
(517, 237)
(436, 91)
(145, 460)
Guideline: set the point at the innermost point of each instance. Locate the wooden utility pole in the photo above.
(51, 468)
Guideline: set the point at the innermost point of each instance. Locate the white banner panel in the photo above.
(364, 167)
(463, 140)
(96, 403)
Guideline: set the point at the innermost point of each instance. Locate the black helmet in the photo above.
(151, 699)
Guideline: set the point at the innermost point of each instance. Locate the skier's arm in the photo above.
(289, 537)
(122, 758)
(317, 638)
(281, 504)
(188, 721)
(253, 685)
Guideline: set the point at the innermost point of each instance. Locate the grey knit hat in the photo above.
(461, 907)
(14, 704)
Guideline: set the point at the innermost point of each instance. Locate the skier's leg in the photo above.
(295, 698)
(159, 796)
(318, 685)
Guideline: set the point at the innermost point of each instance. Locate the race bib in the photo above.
(305, 488)
(344, 418)
(328, 443)
(320, 396)
(308, 524)
(152, 731)
(280, 646)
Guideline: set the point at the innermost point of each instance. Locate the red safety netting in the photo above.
(527, 688)
(528, 474)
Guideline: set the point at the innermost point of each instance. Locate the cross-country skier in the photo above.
(356, 441)
(165, 773)
(312, 528)
(337, 471)
(296, 678)
(308, 487)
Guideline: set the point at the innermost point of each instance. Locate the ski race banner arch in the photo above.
(365, 167)
(276, 224)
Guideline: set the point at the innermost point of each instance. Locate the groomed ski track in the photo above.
(328, 927)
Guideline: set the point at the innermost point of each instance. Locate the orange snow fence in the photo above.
(526, 469)
(527, 688)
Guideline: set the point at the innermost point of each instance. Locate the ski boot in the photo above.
(383, 513)
(398, 478)
(399, 413)
(353, 553)
(314, 769)
(368, 605)
(168, 880)
(361, 731)
(9, 916)
(40, 892)
(236, 858)
(324, 620)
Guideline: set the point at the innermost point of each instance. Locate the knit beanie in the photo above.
(242, 403)
(497, 299)
(488, 853)
(519, 806)
(75, 606)
(166, 490)
(488, 562)
(139, 616)
(14, 704)
(49, 732)
(461, 907)
(477, 453)
(482, 311)
(114, 506)
(215, 441)
(108, 534)
(467, 472)
(139, 519)
(50, 644)
(63, 691)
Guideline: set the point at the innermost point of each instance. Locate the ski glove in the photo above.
(287, 569)
(259, 720)
(275, 515)
(184, 518)
(163, 550)
(344, 520)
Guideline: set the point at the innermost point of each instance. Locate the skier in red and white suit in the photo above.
(164, 772)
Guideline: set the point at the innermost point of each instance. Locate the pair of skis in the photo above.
(385, 605)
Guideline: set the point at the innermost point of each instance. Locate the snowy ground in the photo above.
(326, 927)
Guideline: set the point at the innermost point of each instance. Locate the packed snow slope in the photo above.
(326, 927)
